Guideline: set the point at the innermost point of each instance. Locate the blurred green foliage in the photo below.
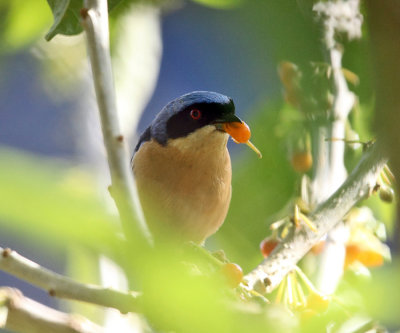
(52, 204)
(55, 204)
(21, 22)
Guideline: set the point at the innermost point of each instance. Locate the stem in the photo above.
(63, 287)
(124, 192)
(22, 314)
(331, 172)
(361, 182)
(331, 260)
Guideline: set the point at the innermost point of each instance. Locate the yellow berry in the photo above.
(232, 273)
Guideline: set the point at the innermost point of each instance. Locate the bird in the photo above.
(182, 166)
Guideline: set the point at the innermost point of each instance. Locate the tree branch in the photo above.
(124, 192)
(361, 182)
(21, 314)
(63, 287)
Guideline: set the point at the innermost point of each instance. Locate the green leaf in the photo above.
(221, 4)
(66, 17)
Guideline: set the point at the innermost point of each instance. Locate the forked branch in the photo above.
(64, 287)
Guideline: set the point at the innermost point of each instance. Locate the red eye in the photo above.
(195, 114)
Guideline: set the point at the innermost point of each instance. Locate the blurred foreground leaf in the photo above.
(45, 202)
(381, 294)
(178, 299)
(22, 22)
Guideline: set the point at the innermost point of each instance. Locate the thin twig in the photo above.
(124, 192)
(361, 182)
(63, 287)
(21, 314)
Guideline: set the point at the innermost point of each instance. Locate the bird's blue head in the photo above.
(188, 113)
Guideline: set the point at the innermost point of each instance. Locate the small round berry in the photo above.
(232, 273)
(317, 248)
(302, 161)
(267, 245)
(386, 194)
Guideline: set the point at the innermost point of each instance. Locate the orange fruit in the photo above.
(232, 273)
(267, 245)
(317, 248)
(301, 161)
(367, 257)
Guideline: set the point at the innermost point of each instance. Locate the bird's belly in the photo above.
(188, 198)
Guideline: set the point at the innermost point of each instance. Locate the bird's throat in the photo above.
(207, 140)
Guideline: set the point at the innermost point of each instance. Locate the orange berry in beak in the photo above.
(240, 133)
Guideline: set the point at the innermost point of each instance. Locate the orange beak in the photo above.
(240, 133)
